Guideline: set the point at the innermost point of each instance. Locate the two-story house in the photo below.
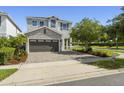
(8, 27)
(48, 34)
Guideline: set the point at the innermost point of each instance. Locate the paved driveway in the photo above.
(35, 57)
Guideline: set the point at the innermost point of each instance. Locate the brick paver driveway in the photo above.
(35, 57)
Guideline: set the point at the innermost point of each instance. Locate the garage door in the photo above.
(43, 45)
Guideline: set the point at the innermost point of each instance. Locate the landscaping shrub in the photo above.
(9, 52)
(23, 55)
(101, 53)
(89, 49)
(6, 53)
(13, 49)
(3, 58)
(20, 55)
(78, 49)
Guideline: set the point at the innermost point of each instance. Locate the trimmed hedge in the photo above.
(101, 53)
(6, 53)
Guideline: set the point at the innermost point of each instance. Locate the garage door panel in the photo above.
(43, 46)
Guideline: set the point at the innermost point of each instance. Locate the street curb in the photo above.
(81, 76)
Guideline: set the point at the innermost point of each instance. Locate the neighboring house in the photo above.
(48, 34)
(8, 27)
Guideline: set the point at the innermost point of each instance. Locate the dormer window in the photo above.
(41, 23)
(34, 23)
(53, 23)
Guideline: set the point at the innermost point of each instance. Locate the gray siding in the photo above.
(39, 34)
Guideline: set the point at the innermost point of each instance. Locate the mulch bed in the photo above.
(14, 61)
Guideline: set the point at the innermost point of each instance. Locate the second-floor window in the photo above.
(64, 26)
(34, 23)
(53, 23)
(0, 20)
(41, 23)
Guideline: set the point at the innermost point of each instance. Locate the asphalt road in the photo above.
(111, 80)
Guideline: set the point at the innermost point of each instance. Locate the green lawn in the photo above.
(4, 73)
(109, 64)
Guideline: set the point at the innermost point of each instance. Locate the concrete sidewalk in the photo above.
(53, 72)
(46, 73)
(121, 55)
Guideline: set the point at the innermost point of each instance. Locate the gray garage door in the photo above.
(43, 45)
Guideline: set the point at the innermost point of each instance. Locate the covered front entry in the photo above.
(42, 45)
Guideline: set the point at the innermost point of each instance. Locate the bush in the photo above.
(6, 53)
(89, 49)
(101, 53)
(20, 54)
(78, 49)
(23, 56)
(3, 58)
(9, 52)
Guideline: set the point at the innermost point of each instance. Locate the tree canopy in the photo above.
(86, 31)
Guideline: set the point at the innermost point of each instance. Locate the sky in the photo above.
(71, 13)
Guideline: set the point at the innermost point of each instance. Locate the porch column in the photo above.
(60, 45)
(70, 43)
(63, 44)
(49, 23)
(66, 44)
(27, 46)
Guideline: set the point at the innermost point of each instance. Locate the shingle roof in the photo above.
(31, 17)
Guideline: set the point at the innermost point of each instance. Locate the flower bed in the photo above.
(8, 56)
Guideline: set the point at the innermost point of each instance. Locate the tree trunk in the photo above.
(87, 46)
